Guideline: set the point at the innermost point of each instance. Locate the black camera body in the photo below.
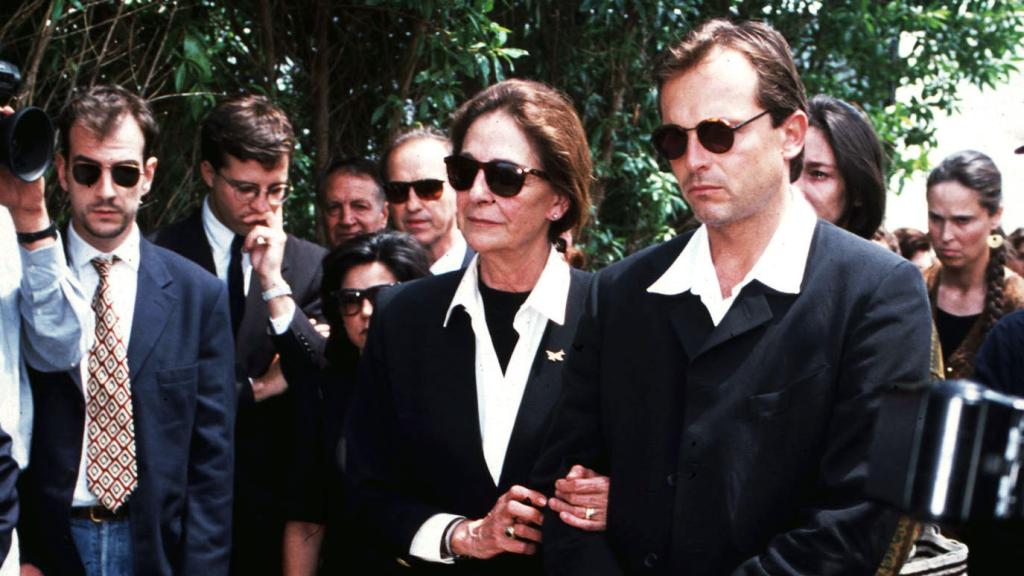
(950, 451)
(27, 136)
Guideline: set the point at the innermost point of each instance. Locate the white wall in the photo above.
(991, 122)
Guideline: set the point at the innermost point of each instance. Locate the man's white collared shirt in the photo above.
(452, 259)
(780, 267)
(220, 237)
(124, 282)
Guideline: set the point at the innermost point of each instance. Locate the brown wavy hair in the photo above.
(779, 89)
(551, 124)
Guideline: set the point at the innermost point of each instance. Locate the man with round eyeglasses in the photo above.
(421, 199)
(727, 380)
(273, 281)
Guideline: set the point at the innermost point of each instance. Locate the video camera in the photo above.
(950, 451)
(26, 137)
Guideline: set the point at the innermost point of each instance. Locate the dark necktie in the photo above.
(236, 291)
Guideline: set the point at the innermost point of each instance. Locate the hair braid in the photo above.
(994, 279)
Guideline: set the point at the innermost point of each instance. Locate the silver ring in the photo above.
(588, 513)
(510, 531)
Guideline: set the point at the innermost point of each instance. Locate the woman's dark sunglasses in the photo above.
(88, 173)
(350, 300)
(398, 192)
(714, 134)
(504, 178)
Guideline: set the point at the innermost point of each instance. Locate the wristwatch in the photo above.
(30, 237)
(275, 291)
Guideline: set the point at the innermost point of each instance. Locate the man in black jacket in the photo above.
(273, 281)
(726, 381)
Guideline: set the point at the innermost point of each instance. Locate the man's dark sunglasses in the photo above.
(350, 300)
(398, 192)
(714, 134)
(504, 178)
(88, 173)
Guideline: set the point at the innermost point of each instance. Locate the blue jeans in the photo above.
(105, 548)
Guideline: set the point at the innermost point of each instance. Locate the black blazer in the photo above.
(264, 430)
(413, 438)
(741, 448)
(300, 268)
(180, 362)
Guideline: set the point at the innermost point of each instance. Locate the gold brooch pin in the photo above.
(556, 356)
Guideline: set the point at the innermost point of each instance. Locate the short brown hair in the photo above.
(99, 108)
(779, 89)
(248, 127)
(550, 123)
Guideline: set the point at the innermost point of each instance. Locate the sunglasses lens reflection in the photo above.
(428, 189)
(461, 171)
(670, 141)
(503, 178)
(716, 136)
(125, 176)
(85, 174)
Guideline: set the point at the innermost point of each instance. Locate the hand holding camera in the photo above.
(26, 152)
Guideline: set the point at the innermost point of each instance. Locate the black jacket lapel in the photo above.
(543, 388)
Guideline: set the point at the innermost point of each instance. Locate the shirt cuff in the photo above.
(43, 267)
(280, 324)
(426, 544)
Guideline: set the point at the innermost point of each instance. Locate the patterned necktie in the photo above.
(111, 472)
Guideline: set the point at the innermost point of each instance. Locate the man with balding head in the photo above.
(351, 200)
(422, 202)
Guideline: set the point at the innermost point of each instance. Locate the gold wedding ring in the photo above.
(510, 531)
(588, 513)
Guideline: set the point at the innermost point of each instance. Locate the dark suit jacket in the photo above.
(413, 439)
(183, 399)
(740, 448)
(265, 430)
(8, 495)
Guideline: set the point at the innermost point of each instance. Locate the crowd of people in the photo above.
(439, 389)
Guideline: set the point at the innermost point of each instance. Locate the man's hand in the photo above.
(322, 328)
(271, 383)
(512, 525)
(581, 499)
(30, 570)
(265, 245)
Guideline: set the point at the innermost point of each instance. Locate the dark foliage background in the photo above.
(350, 74)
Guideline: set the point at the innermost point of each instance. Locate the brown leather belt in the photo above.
(99, 513)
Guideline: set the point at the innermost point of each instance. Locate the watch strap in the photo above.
(30, 237)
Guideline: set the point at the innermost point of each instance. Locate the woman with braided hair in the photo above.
(970, 287)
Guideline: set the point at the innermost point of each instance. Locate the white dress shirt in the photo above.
(220, 237)
(452, 259)
(124, 282)
(500, 393)
(780, 267)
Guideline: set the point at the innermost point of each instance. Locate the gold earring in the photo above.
(995, 241)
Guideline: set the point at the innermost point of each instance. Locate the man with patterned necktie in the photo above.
(131, 468)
